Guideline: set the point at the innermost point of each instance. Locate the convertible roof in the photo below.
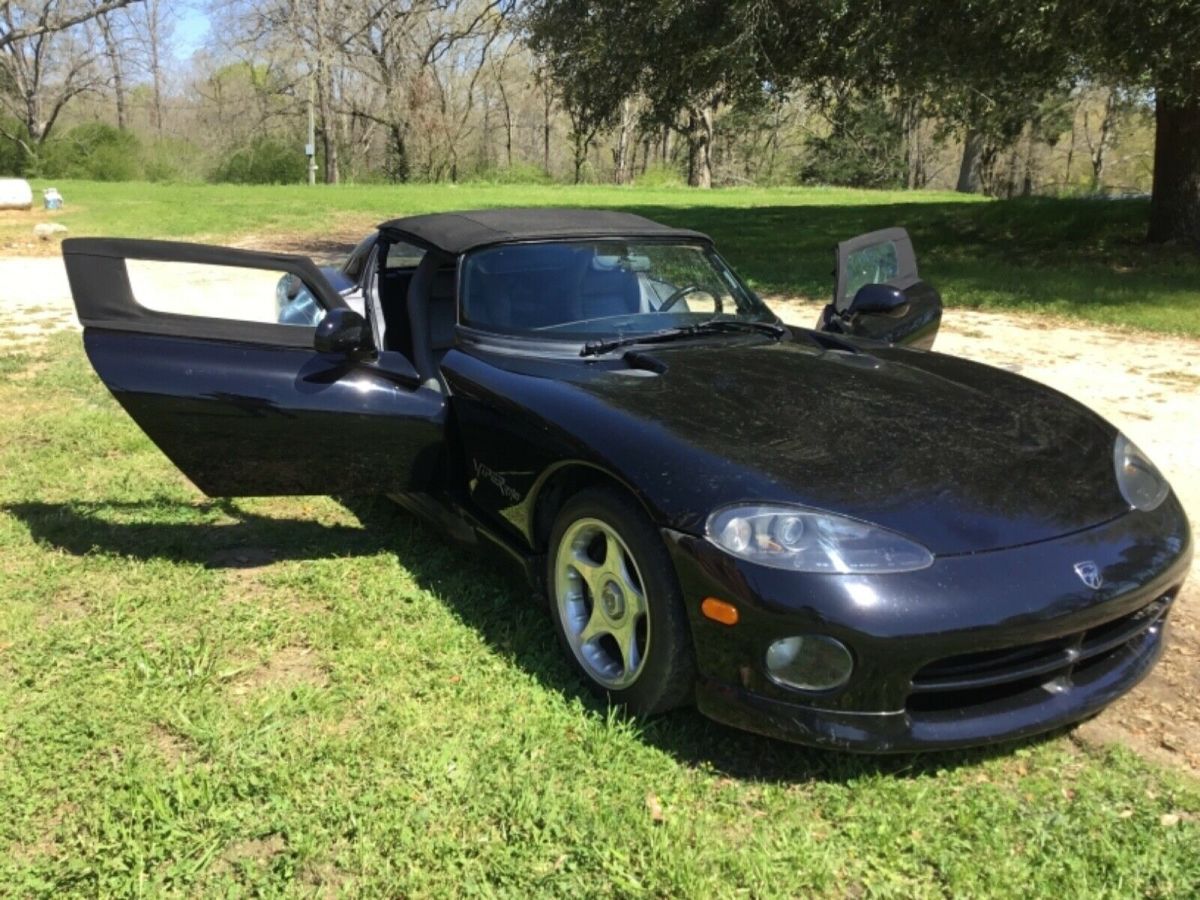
(457, 232)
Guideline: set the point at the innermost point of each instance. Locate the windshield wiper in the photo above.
(712, 326)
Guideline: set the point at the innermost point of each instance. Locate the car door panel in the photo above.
(250, 408)
(882, 257)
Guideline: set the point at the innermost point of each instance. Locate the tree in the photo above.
(20, 22)
(115, 52)
(1152, 46)
(863, 147)
(989, 64)
(593, 73)
(46, 61)
(151, 30)
(686, 57)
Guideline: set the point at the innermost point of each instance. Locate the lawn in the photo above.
(310, 696)
(1076, 258)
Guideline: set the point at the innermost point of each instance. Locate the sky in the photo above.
(191, 29)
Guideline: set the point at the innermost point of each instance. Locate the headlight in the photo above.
(807, 540)
(1141, 484)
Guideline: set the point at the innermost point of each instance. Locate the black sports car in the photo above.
(827, 535)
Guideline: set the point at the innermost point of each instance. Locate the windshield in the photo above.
(589, 289)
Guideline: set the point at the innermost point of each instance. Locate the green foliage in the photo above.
(94, 151)
(863, 147)
(264, 161)
(13, 160)
(660, 176)
(172, 159)
(517, 173)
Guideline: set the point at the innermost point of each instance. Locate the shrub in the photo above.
(862, 149)
(12, 158)
(658, 176)
(94, 151)
(172, 159)
(517, 173)
(264, 161)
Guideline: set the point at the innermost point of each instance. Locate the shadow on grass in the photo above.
(483, 588)
(968, 246)
(186, 533)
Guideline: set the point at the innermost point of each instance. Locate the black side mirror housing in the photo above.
(341, 331)
(877, 298)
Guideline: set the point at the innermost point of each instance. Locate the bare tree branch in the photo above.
(51, 20)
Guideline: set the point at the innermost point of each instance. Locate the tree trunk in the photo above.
(328, 130)
(1175, 199)
(968, 171)
(579, 149)
(547, 108)
(324, 101)
(700, 133)
(153, 39)
(400, 165)
(1106, 128)
(113, 51)
(913, 162)
(621, 152)
(485, 137)
(1071, 148)
(508, 122)
(1027, 181)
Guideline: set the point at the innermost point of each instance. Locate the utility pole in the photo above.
(310, 149)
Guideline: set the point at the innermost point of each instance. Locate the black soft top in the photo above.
(458, 232)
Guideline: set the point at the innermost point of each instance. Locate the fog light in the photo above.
(809, 662)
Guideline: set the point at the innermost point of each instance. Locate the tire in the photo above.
(619, 616)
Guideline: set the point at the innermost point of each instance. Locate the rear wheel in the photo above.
(617, 605)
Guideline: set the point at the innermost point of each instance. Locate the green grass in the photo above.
(304, 696)
(1075, 258)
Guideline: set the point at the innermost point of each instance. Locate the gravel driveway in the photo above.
(1146, 384)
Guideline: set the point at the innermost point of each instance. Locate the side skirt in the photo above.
(467, 530)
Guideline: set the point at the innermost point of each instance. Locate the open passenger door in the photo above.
(188, 339)
(878, 293)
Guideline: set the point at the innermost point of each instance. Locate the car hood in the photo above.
(960, 456)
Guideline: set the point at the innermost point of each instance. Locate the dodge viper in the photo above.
(830, 535)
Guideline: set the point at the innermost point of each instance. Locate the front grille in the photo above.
(989, 676)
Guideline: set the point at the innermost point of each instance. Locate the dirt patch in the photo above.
(61, 611)
(46, 844)
(331, 247)
(16, 232)
(325, 879)
(253, 852)
(169, 746)
(288, 668)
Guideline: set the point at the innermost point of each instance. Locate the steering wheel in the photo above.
(690, 289)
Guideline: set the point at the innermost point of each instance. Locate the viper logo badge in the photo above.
(1089, 574)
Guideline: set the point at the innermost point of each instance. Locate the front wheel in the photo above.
(616, 603)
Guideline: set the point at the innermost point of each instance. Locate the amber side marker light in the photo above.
(719, 611)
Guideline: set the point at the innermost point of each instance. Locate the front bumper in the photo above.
(1061, 699)
(976, 649)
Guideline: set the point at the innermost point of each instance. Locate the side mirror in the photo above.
(877, 298)
(341, 331)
